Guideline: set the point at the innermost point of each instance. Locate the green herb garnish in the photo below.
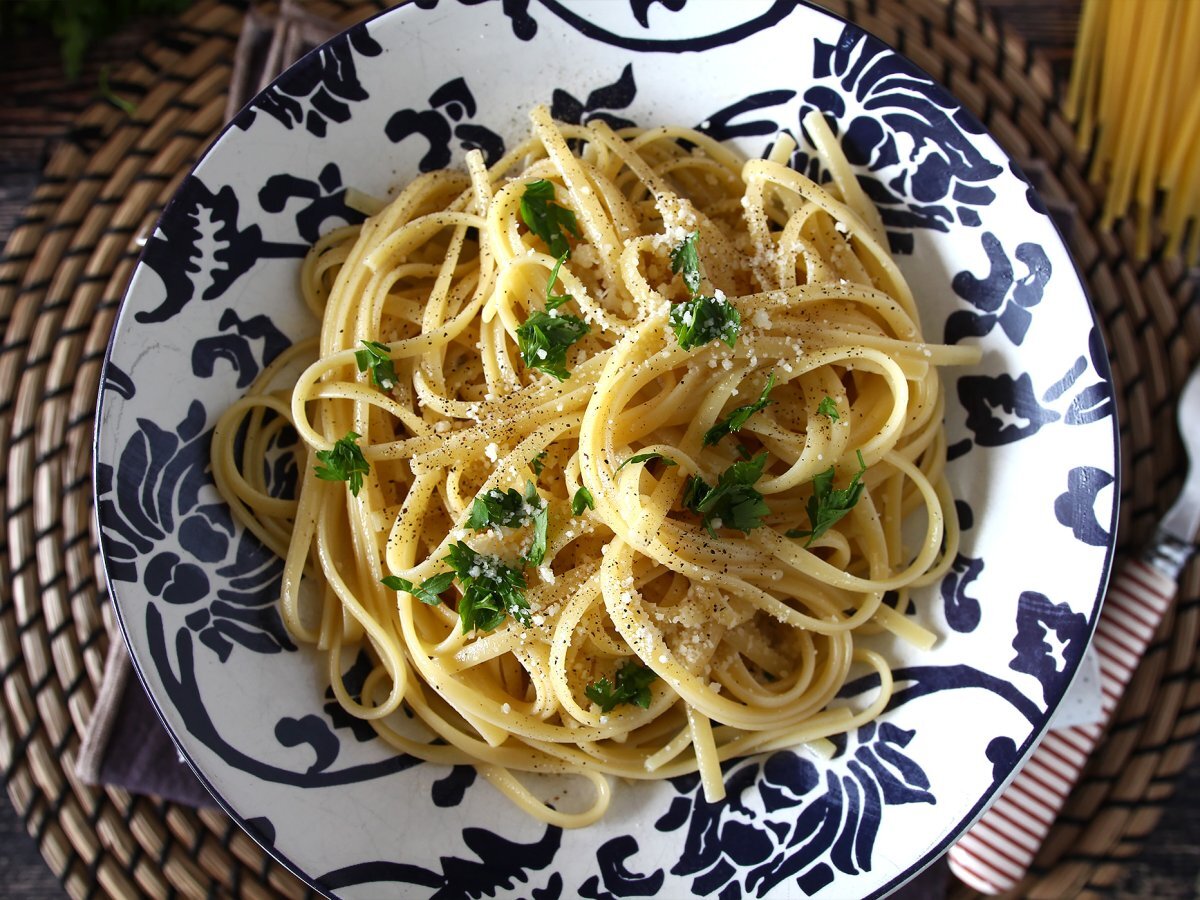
(827, 505)
(633, 682)
(554, 301)
(828, 407)
(703, 319)
(685, 260)
(544, 340)
(646, 457)
(700, 319)
(738, 418)
(547, 219)
(344, 462)
(494, 509)
(582, 500)
(538, 463)
(428, 591)
(375, 356)
(491, 590)
(733, 503)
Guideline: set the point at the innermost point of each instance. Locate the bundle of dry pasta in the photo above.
(1134, 100)
(608, 454)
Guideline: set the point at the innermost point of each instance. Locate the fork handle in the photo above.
(994, 855)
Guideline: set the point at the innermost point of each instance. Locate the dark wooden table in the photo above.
(38, 107)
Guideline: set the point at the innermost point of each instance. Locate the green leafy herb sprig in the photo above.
(547, 335)
(495, 508)
(828, 408)
(547, 219)
(646, 457)
(701, 319)
(632, 686)
(734, 502)
(344, 462)
(737, 419)
(582, 500)
(545, 339)
(377, 357)
(828, 505)
(492, 591)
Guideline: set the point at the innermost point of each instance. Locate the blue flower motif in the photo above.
(152, 502)
(916, 141)
(783, 819)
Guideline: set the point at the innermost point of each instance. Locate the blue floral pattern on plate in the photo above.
(213, 300)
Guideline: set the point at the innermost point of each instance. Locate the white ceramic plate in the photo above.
(1032, 433)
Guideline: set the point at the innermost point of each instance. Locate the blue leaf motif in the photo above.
(319, 89)
(1000, 297)
(618, 880)
(1049, 642)
(962, 610)
(312, 731)
(1076, 508)
(617, 95)
(720, 125)
(449, 791)
(1002, 409)
(439, 125)
(326, 200)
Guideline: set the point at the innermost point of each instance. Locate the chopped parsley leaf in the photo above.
(733, 503)
(538, 462)
(491, 590)
(344, 462)
(547, 219)
(646, 457)
(428, 591)
(545, 339)
(375, 356)
(827, 505)
(633, 682)
(582, 500)
(685, 260)
(554, 301)
(738, 418)
(700, 320)
(509, 509)
(828, 407)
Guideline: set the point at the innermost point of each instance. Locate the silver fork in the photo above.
(994, 855)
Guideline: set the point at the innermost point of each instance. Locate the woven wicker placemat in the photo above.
(62, 276)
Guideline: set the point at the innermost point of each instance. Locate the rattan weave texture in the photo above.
(62, 276)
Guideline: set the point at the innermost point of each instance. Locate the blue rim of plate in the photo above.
(779, 10)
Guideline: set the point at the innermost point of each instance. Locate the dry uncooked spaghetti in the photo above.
(1134, 98)
(607, 452)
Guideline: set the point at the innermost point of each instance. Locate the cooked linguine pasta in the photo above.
(610, 455)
